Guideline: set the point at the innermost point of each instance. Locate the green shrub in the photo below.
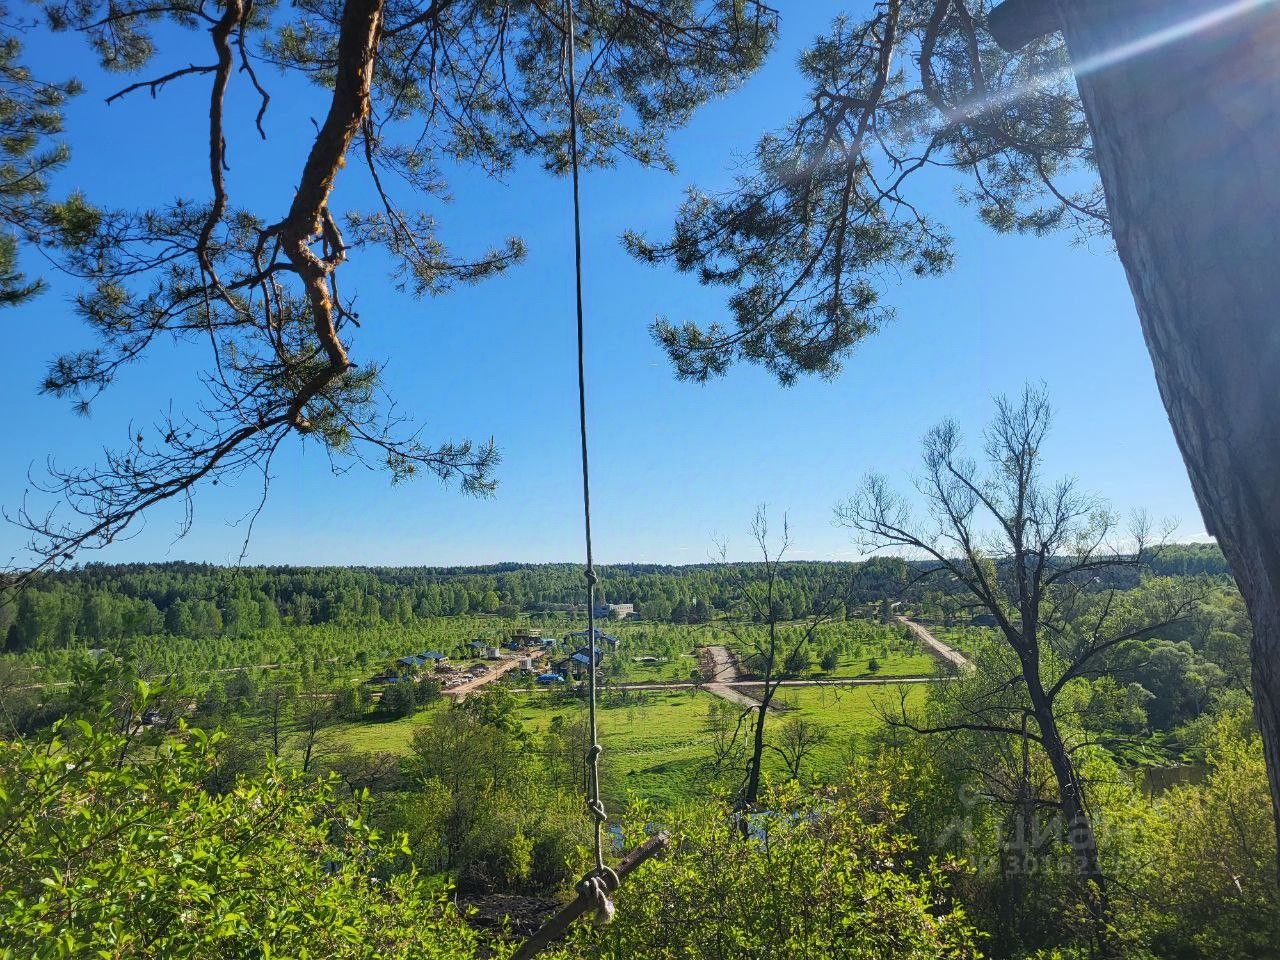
(498, 816)
(1214, 893)
(822, 875)
(496, 855)
(100, 858)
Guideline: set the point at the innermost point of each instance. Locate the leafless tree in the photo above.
(312, 713)
(1152, 122)
(775, 648)
(364, 770)
(275, 704)
(1038, 558)
(726, 731)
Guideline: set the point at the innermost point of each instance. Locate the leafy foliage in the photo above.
(405, 88)
(495, 802)
(824, 217)
(135, 859)
(30, 120)
(1214, 893)
(826, 875)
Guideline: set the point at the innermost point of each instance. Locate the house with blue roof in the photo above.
(578, 662)
(600, 635)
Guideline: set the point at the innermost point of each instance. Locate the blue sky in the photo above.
(675, 466)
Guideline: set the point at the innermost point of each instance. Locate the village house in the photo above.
(418, 662)
(577, 663)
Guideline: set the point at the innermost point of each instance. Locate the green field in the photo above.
(375, 736)
(656, 742)
(897, 663)
(659, 743)
(964, 639)
(677, 668)
(862, 648)
(850, 713)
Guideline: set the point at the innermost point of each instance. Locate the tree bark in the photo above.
(1077, 824)
(751, 792)
(1187, 133)
(358, 38)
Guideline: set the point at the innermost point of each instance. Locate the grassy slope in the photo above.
(849, 713)
(656, 744)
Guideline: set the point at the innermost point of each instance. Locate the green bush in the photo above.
(495, 855)
(103, 858)
(497, 810)
(799, 661)
(823, 875)
(1214, 894)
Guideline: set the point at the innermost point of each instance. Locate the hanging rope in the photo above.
(594, 889)
(601, 881)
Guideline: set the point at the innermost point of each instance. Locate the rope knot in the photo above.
(597, 886)
(596, 809)
(593, 752)
(591, 576)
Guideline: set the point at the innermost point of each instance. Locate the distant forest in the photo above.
(101, 602)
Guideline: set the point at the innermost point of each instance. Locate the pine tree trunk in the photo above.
(1187, 134)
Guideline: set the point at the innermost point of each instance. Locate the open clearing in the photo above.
(657, 745)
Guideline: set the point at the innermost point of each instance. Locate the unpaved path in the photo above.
(723, 669)
(947, 655)
(502, 666)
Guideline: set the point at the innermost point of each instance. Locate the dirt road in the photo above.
(723, 676)
(501, 667)
(948, 656)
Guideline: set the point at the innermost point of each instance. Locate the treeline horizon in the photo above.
(98, 602)
(1174, 559)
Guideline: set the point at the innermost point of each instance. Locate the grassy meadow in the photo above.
(657, 742)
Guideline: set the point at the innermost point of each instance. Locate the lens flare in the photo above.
(1154, 40)
(1169, 34)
